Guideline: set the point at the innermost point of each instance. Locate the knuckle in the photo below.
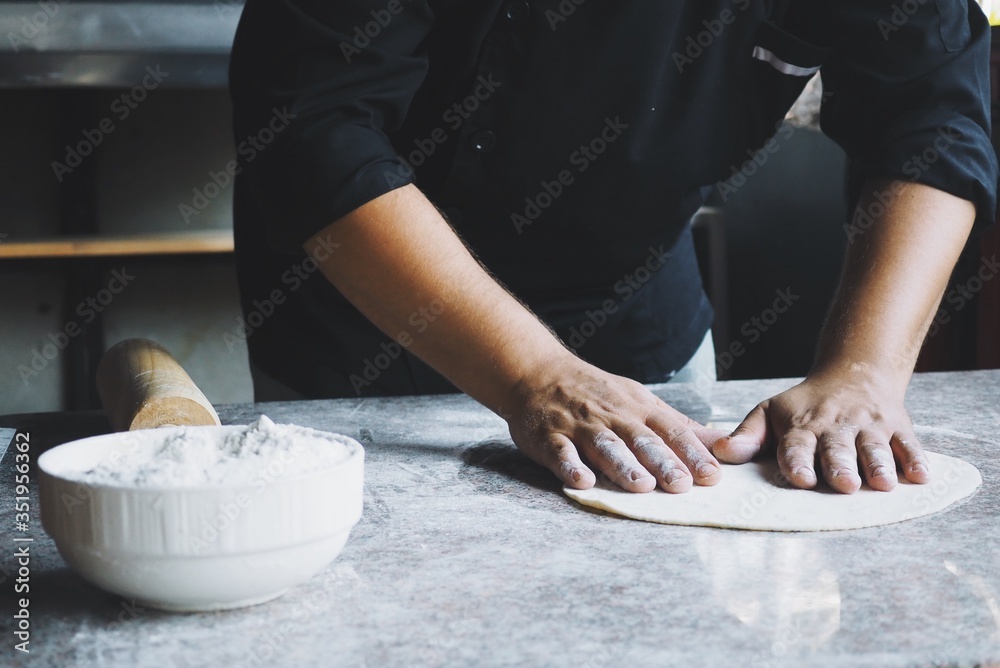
(676, 434)
(867, 446)
(603, 441)
(559, 448)
(689, 452)
(836, 460)
(647, 443)
(838, 441)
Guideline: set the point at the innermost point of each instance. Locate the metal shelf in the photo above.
(111, 44)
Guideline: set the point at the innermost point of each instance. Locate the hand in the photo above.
(572, 411)
(840, 420)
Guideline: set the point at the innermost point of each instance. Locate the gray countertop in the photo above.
(468, 554)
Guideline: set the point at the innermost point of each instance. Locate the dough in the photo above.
(756, 496)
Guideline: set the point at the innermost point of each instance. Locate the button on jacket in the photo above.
(569, 142)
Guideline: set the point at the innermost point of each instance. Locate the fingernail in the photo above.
(842, 473)
(707, 470)
(804, 472)
(673, 476)
(880, 472)
(571, 471)
(636, 474)
(918, 468)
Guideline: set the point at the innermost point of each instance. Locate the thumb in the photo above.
(746, 440)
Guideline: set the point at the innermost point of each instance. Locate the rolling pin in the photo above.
(142, 387)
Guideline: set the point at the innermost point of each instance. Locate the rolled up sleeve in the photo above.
(317, 86)
(907, 94)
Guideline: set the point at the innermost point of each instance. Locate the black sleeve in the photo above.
(907, 93)
(316, 86)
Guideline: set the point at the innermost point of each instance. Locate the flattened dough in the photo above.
(756, 497)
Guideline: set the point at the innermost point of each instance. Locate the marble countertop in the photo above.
(469, 555)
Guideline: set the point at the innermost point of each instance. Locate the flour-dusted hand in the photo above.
(847, 418)
(570, 413)
(400, 254)
(854, 428)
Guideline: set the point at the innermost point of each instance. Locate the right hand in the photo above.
(571, 412)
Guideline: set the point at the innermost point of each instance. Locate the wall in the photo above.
(145, 169)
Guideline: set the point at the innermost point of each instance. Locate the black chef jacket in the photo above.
(568, 142)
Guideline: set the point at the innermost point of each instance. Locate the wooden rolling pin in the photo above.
(143, 387)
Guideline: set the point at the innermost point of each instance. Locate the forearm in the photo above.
(848, 414)
(397, 255)
(894, 276)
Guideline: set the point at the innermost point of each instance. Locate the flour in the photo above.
(203, 456)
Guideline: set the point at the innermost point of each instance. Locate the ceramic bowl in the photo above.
(197, 548)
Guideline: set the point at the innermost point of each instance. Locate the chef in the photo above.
(496, 196)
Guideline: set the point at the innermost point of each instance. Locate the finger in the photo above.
(670, 473)
(560, 456)
(608, 452)
(707, 435)
(876, 460)
(797, 457)
(910, 455)
(839, 458)
(677, 436)
(746, 441)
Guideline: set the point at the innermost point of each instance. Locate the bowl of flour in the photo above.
(202, 518)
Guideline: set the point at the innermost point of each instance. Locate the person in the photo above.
(441, 194)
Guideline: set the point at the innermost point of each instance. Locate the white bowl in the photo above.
(196, 548)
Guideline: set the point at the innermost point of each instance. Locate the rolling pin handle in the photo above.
(142, 387)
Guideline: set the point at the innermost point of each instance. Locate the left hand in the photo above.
(852, 424)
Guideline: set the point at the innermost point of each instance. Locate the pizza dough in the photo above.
(756, 496)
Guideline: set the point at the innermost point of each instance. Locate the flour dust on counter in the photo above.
(756, 497)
